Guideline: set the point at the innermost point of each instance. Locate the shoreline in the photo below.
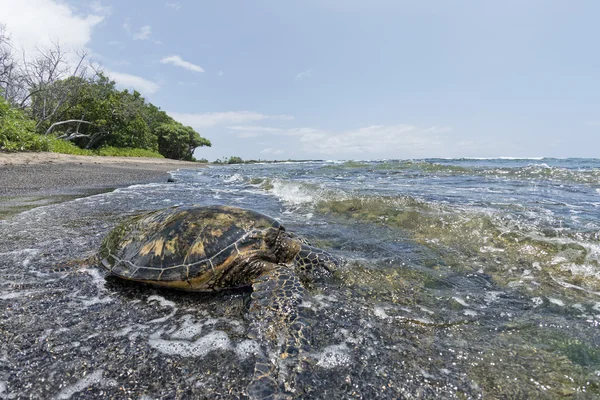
(29, 180)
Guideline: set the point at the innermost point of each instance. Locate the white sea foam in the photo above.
(380, 312)
(234, 178)
(292, 193)
(460, 301)
(216, 340)
(97, 278)
(188, 329)
(161, 300)
(556, 301)
(16, 295)
(96, 300)
(334, 356)
(163, 303)
(247, 348)
(94, 378)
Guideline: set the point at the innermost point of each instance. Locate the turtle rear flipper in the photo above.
(275, 320)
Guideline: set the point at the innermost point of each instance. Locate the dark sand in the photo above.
(29, 180)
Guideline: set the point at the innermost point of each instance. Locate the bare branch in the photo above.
(69, 121)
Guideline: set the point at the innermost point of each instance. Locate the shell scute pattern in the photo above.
(182, 244)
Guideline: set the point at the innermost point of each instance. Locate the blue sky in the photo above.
(348, 79)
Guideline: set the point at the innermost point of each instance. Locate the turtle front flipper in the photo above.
(275, 321)
(312, 263)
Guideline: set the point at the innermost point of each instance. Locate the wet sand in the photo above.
(28, 180)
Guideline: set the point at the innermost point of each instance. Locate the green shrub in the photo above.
(17, 131)
(127, 152)
(62, 146)
(235, 160)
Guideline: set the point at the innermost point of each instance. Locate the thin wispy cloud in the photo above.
(98, 8)
(173, 4)
(143, 34)
(371, 140)
(304, 74)
(179, 62)
(220, 73)
(271, 150)
(207, 120)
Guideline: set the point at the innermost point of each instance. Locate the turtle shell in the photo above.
(188, 247)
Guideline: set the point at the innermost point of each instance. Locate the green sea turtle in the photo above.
(212, 248)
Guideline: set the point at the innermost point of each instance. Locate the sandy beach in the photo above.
(29, 180)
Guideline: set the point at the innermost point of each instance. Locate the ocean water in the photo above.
(461, 278)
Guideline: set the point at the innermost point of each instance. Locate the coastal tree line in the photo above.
(59, 101)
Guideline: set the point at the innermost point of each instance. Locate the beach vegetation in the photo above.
(235, 160)
(17, 131)
(64, 147)
(47, 96)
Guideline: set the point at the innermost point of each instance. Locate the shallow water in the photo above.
(461, 279)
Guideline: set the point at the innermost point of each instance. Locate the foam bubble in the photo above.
(234, 178)
(334, 356)
(91, 379)
(96, 300)
(247, 348)
(161, 300)
(16, 295)
(460, 301)
(163, 303)
(380, 313)
(188, 330)
(292, 193)
(97, 278)
(217, 340)
(558, 302)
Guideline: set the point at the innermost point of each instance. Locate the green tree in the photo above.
(178, 141)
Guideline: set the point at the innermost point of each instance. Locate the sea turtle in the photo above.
(211, 248)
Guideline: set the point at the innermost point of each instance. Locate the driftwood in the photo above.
(68, 135)
(69, 121)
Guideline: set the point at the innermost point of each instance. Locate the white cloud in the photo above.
(220, 73)
(206, 120)
(179, 62)
(138, 83)
(271, 150)
(375, 139)
(371, 140)
(98, 8)
(173, 4)
(37, 23)
(143, 34)
(304, 74)
(247, 131)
